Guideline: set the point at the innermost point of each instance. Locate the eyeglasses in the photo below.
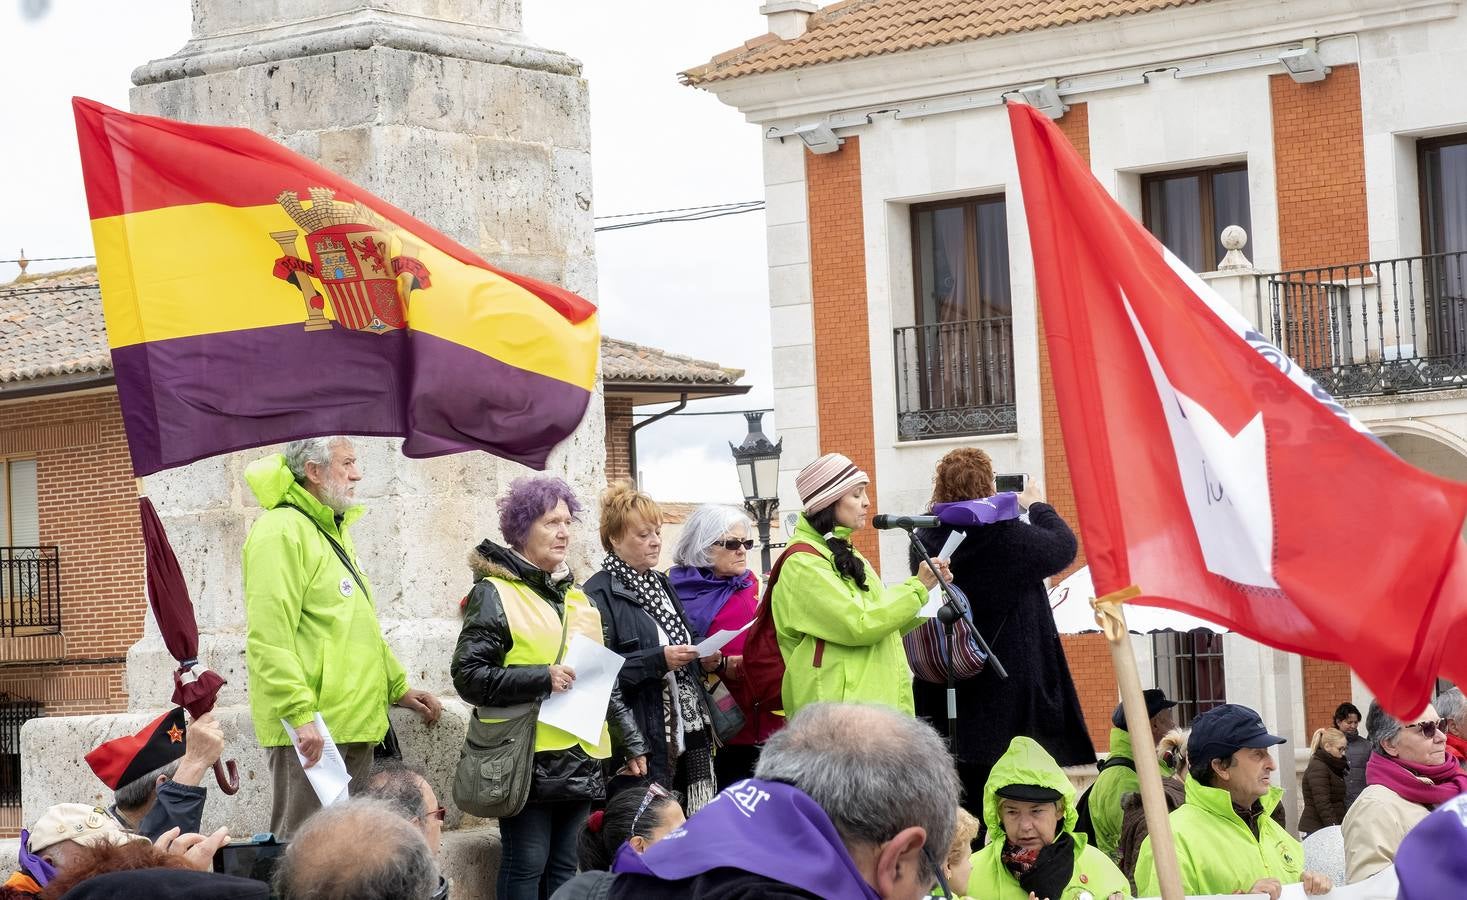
(733, 544)
(654, 791)
(442, 892)
(936, 871)
(1429, 729)
(440, 813)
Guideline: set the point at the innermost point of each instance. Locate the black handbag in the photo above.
(497, 763)
(723, 710)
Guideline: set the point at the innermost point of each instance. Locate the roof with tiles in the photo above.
(851, 29)
(51, 324)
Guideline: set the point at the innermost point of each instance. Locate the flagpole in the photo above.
(1111, 616)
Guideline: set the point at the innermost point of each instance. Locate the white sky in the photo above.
(693, 288)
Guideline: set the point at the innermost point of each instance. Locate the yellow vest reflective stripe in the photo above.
(534, 628)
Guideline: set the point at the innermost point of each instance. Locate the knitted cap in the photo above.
(826, 480)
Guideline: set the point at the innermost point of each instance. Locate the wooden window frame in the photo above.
(7, 514)
(1423, 147)
(1184, 649)
(972, 265)
(1207, 209)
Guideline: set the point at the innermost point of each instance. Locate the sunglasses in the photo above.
(734, 544)
(654, 792)
(1429, 729)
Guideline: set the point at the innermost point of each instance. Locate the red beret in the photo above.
(123, 760)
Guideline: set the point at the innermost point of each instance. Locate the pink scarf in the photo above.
(1428, 785)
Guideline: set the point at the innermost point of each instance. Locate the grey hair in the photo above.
(316, 450)
(324, 860)
(136, 793)
(1381, 725)
(1451, 705)
(873, 770)
(399, 784)
(707, 524)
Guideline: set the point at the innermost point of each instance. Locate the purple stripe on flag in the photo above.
(190, 398)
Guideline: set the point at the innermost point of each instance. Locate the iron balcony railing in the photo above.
(955, 379)
(30, 590)
(1379, 327)
(14, 712)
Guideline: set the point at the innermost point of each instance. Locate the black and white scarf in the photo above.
(684, 718)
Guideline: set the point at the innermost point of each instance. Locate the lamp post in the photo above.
(757, 459)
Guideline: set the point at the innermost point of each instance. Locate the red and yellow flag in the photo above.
(252, 296)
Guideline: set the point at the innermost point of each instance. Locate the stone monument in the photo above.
(444, 109)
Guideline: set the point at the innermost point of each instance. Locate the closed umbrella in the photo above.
(195, 687)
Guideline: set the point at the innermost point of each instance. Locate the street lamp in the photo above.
(757, 459)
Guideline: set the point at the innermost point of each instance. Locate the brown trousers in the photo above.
(292, 799)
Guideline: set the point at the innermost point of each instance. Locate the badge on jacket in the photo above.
(346, 587)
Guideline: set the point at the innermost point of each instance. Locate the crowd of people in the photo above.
(699, 782)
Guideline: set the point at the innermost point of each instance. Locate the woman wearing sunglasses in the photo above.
(719, 593)
(644, 622)
(1409, 774)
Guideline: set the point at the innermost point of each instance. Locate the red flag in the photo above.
(1212, 472)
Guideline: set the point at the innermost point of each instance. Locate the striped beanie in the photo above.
(826, 480)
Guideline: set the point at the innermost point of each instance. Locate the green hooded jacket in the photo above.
(863, 660)
(312, 641)
(1025, 762)
(1216, 850)
(1110, 788)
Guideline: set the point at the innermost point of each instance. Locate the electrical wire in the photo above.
(691, 217)
(659, 212)
(31, 259)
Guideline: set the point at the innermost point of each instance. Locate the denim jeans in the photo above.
(539, 843)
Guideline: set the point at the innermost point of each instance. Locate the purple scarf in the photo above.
(763, 827)
(986, 511)
(704, 595)
(34, 865)
(1427, 785)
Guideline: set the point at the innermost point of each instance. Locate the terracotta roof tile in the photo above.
(623, 362)
(857, 28)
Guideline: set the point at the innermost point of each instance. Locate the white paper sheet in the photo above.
(935, 597)
(328, 776)
(948, 548)
(582, 709)
(719, 639)
(1381, 886)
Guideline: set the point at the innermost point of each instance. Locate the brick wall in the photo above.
(88, 509)
(1095, 682)
(1326, 686)
(842, 337)
(618, 434)
(1319, 161)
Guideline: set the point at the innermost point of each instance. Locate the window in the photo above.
(1443, 177)
(19, 519)
(955, 366)
(1188, 210)
(1189, 668)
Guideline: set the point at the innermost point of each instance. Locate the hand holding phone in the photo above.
(1013, 483)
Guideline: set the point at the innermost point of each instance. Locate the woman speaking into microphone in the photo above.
(1001, 567)
(839, 630)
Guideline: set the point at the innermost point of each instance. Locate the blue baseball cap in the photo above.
(1225, 729)
(1156, 701)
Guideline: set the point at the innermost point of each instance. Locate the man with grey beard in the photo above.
(312, 644)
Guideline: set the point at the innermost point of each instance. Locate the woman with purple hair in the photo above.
(523, 608)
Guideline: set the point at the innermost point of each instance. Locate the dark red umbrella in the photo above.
(195, 687)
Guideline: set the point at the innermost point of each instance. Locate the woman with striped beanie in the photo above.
(839, 629)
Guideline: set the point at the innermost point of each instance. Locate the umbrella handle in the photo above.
(228, 781)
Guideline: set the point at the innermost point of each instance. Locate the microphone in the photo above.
(905, 522)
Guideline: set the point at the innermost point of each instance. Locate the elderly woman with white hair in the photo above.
(720, 593)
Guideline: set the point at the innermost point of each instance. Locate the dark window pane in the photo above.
(993, 260)
(942, 274)
(1174, 207)
(1229, 206)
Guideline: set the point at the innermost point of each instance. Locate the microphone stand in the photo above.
(949, 614)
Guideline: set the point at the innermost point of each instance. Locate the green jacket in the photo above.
(1110, 788)
(863, 660)
(1217, 852)
(1025, 762)
(312, 641)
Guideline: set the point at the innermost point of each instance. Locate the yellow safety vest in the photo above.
(535, 629)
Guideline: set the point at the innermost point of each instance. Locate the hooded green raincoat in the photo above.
(312, 642)
(1217, 851)
(1110, 788)
(1025, 762)
(862, 660)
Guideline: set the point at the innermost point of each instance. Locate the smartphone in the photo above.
(254, 859)
(1007, 483)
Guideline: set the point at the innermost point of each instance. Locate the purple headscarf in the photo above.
(704, 595)
(978, 512)
(35, 866)
(764, 827)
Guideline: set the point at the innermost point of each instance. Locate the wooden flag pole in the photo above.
(1111, 617)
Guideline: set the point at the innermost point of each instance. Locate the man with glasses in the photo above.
(1409, 774)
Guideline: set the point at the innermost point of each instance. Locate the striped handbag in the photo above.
(926, 647)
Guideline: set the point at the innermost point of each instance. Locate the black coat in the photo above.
(631, 631)
(481, 677)
(1002, 567)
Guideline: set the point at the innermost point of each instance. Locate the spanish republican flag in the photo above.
(252, 297)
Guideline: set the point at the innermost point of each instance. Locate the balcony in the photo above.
(30, 604)
(1375, 328)
(955, 379)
